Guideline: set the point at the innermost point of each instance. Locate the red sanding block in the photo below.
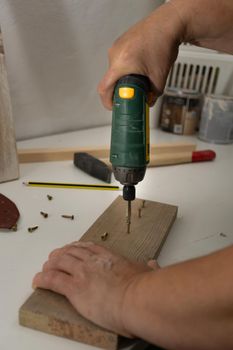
(93, 166)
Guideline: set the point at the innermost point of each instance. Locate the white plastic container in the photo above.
(217, 119)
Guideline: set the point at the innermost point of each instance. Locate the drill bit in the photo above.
(128, 218)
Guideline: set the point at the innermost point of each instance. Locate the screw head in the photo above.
(104, 236)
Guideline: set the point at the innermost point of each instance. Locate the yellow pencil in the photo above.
(72, 185)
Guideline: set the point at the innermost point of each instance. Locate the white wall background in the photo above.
(56, 52)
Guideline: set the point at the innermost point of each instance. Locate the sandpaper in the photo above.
(9, 213)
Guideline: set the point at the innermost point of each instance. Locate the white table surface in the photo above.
(202, 191)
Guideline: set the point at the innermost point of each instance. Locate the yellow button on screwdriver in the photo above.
(126, 92)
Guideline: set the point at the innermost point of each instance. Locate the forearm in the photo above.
(184, 306)
(208, 23)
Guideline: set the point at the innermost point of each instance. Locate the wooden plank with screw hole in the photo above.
(52, 313)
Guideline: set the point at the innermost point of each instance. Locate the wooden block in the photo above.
(56, 154)
(9, 169)
(52, 313)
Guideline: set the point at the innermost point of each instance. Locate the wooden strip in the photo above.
(164, 159)
(173, 147)
(52, 313)
(170, 159)
(57, 154)
(9, 169)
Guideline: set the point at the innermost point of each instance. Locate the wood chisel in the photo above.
(130, 148)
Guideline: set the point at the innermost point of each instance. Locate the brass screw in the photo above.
(14, 228)
(139, 212)
(104, 236)
(68, 217)
(45, 215)
(49, 197)
(143, 203)
(32, 229)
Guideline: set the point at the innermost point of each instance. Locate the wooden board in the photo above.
(56, 154)
(9, 169)
(52, 313)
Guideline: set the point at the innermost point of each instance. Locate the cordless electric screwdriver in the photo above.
(130, 147)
